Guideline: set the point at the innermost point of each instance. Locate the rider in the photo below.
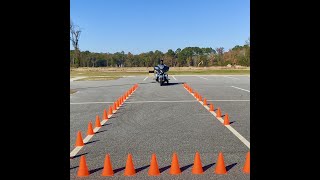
(161, 63)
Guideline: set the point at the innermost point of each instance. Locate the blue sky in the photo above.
(147, 25)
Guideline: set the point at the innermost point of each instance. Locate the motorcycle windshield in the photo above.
(163, 67)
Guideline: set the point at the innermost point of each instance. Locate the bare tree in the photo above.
(74, 37)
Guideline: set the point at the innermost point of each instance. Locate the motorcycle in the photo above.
(161, 74)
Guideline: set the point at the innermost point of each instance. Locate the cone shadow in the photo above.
(230, 166)
(142, 168)
(205, 168)
(74, 167)
(76, 156)
(91, 142)
(107, 123)
(118, 170)
(185, 167)
(164, 168)
(100, 131)
(95, 170)
(232, 122)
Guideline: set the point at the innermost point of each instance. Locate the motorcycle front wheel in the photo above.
(161, 82)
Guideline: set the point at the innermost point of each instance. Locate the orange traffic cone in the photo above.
(105, 114)
(114, 106)
(129, 171)
(83, 168)
(219, 112)
(204, 101)
(175, 167)
(107, 168)
(79, 140)
(226, 120)
(117, 104)
(154, 168)
(98, 124)
(197, 165)
(110, 110)
(246, 168)
(211, 107)
(90, 130)
(200, 98)
(220, 168)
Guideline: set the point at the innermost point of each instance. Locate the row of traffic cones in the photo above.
(204, 102)
(154, 168)
(106, 114)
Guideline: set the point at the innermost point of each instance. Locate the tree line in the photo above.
(189, 56)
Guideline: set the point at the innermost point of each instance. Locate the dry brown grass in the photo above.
(146, 69)
(72, 91)
(93, 78)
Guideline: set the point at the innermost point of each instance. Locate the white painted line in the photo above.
(75, 151)
(247, 143)
(145, 78)
(96, 129)
(134, 102)
(203, 78)
(77, 78)
(104, 121)
(231, 77)
(239, 136)
(240, 88)
(85, 140)
(93, 103)
(230, 100)
(174, 78)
